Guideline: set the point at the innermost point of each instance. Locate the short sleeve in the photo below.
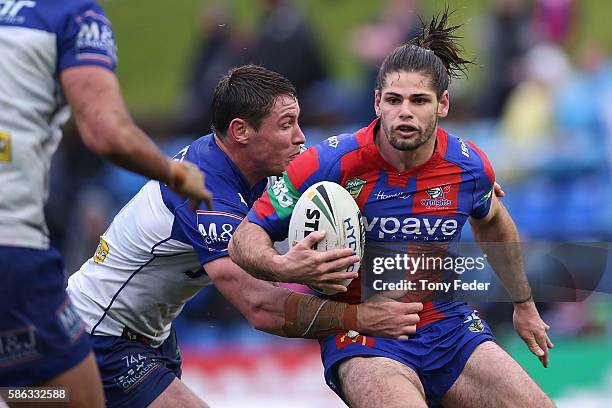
(209, 231)
(483, 189)
(86, 38)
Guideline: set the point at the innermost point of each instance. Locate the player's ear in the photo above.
(239, 130)
(443, 104)
(377, 96)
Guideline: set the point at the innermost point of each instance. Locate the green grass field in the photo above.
(157, 37)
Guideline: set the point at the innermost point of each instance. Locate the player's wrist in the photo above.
(277, 269)
(526, 303)
(177, 175)
(350, 318)
(519, 300)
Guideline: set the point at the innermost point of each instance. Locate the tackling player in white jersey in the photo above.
(157, 254)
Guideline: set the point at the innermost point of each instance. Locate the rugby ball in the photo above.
(328, 206)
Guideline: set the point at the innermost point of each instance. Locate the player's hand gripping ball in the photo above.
(328, 206)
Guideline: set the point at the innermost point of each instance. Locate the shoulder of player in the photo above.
(464, 153)
(203, 152)
(333, 148)
(58, 13)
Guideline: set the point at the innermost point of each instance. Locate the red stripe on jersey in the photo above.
(263, 207)
(488, 169)
(429, 314)
(353, 166)
(437, 190)
(302, 167)
(366, 135)
(397, 180)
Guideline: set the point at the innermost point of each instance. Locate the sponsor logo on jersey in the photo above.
(9, 10)
(280, 191)
(464, 148)
(343, 340)
(436, 197)
(391, 227)
(283, 196)
(18, 346)
(354, 187)
(402, 195)
(216, 227)
(101, 251)
(137, 367)
(5, 147)
(333, 141)
(95, 33)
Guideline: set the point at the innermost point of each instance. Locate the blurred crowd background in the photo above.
(538, 101)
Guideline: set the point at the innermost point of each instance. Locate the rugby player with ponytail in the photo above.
(403, 167)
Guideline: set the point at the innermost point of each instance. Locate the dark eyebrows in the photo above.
(421, 95)
(391, 94)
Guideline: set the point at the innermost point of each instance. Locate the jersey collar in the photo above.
(367, 135)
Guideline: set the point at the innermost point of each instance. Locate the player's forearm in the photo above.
(499, 238)
(296, 315)
(278, 310)
(310, 317)
(252, 249)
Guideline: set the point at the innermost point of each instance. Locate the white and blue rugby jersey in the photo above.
(152, 258)
(38, 40)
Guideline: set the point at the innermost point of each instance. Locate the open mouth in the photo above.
(407, 128)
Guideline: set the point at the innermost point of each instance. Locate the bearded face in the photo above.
(409, 109)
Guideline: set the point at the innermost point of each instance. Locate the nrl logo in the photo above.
(354, 187)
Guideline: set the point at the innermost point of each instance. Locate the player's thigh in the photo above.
(41, 335)
(491, 378)
(380, 382)
(178, 395)
(83, 383)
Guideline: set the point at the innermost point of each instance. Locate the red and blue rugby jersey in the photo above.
(427, 203)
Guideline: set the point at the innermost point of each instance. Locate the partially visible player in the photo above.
(157, 254)
(55, 53)
(415, 184)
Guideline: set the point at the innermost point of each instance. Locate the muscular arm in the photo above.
(499, 238)
(285, 313)
(106, 128)
(251, 248)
